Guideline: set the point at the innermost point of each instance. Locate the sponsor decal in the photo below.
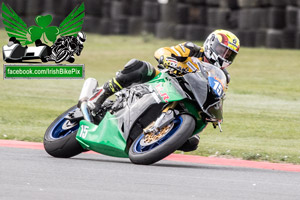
(163, 95)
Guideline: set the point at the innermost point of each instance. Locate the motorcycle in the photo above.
(146, 122)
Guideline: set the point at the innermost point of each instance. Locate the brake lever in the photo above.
(219, 125)
(181, 71)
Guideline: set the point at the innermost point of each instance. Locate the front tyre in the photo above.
(152, 147)
(62, 55)
(60, 137)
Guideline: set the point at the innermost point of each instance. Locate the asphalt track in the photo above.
(28, 172)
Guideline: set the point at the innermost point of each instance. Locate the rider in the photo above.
(220, 49)
(73, 43)
(14, 40)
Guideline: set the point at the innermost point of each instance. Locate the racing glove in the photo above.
(167, 61)
(172, 64)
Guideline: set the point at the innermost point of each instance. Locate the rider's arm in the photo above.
(181, 51)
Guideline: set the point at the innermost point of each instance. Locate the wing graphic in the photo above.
(72, 24)
(14, 25)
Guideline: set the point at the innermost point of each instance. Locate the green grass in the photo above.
(261, 112)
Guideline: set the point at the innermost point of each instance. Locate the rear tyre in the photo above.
(60, 137)
(146, 151)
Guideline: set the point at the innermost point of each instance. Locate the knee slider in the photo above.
(142, 69)
(132, 65)
(135, 71)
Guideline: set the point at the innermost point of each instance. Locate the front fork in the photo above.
(167, 116)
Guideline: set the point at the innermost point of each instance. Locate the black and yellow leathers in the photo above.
(183, 53)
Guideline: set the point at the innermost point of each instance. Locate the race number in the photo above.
(84, 131)
(218, 88)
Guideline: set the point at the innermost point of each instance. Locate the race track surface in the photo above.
(32, 174)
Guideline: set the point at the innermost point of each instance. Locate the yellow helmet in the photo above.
(221, 47)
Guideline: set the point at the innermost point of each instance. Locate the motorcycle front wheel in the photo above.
(62, 55)
(152, 147)
(60, 137)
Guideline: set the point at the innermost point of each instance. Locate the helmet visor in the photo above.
(224, 51)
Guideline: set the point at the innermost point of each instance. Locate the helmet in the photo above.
(221, 47)
(81, 37)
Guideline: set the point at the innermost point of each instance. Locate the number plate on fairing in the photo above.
(216, 86)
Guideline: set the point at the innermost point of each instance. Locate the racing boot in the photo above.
(97, 99)
(191, 144)
(135, 71)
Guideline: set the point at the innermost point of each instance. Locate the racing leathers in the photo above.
(183, 52)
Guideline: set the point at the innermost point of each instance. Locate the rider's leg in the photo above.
(135, 71)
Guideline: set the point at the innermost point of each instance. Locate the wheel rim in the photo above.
(144, 143)
(61, 56)
(63, 127)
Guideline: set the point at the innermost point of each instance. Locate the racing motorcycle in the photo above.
(146, 122)
(63, 53)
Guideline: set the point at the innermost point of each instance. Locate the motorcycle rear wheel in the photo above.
(144, 151)
(61, 142)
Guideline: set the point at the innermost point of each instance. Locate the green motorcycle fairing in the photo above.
(111, 135)
(167, 87)
(106, 138)
(177, 94)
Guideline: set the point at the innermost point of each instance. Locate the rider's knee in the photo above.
(140, 68)
(133, 65)
(135, 71)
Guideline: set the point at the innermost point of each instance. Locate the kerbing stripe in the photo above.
(178, 157)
